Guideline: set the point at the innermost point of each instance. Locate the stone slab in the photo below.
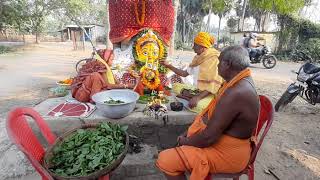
(135, 165)
(136, 118)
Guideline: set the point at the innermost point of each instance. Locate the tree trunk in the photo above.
(172, 41)
(244, 12)
(37, 38)
(74, 41)
(83, 40)
(37, 28)
(264, 20)
(220, 17)
(208, 21)
(183, 23)
(108, 42)
(280, 35)
(258, 20)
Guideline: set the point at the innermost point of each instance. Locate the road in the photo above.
(26, 75)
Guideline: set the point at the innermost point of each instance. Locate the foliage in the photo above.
(308, 30)
(87, 151)
(15, 14)
(178, 44)
(189, 19)
(259, 9)
(296, 30)
(5, 49)
(313, 46)
(36, 16)
(220, 7)
(309, 48)
(232, 23)
(283, 7)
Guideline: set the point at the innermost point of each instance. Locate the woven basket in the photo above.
(95, 175)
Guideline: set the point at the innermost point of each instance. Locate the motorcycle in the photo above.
(264, 54)
(307, 86)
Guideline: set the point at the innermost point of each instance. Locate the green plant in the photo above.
(178, 44)
(313, 47)
(88, 150)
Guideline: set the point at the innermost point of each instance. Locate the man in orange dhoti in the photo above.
(218, 141)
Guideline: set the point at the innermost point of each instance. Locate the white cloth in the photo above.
(193, 74)
(123, 59)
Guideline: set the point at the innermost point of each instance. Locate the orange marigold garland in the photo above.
(150, 82)
(143, 15)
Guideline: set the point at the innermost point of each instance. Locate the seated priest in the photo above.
(218, 141)
(96, 76)
(203, 68)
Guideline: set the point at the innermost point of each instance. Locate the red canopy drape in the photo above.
(159, 16)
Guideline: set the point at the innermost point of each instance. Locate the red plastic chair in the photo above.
(22, 135)
(265, 116)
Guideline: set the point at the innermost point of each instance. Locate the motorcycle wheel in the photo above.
(269, 61)
(82, 62)
(285, 99)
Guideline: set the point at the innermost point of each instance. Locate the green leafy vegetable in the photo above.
(147, 98)
(112, 101)
(88, 150)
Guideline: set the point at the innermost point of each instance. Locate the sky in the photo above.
(312, 12)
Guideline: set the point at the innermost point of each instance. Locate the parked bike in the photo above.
(264, 54)
(307, 86)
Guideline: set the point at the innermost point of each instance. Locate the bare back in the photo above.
(248, 110)
(237, 111)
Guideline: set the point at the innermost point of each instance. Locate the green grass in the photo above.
(4, 49)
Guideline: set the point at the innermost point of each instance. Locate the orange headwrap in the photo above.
(204, 39)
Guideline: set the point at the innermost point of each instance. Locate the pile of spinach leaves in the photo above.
(88, 150)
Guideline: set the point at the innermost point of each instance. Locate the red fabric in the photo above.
(92, 84)
(164, 80)
(265, 117)
(127, 78)
(123, 23)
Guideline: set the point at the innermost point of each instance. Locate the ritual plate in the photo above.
(62, 84)
(65, 82)
(72, 109)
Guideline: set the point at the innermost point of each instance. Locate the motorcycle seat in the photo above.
(310, 68)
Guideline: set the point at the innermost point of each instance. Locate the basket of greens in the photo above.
(87, 152)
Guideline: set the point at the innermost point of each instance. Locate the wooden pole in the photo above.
(83, 39)
(243, 12)
(74, 40)
(69, 34)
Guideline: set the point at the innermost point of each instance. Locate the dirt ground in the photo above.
(291, 149)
